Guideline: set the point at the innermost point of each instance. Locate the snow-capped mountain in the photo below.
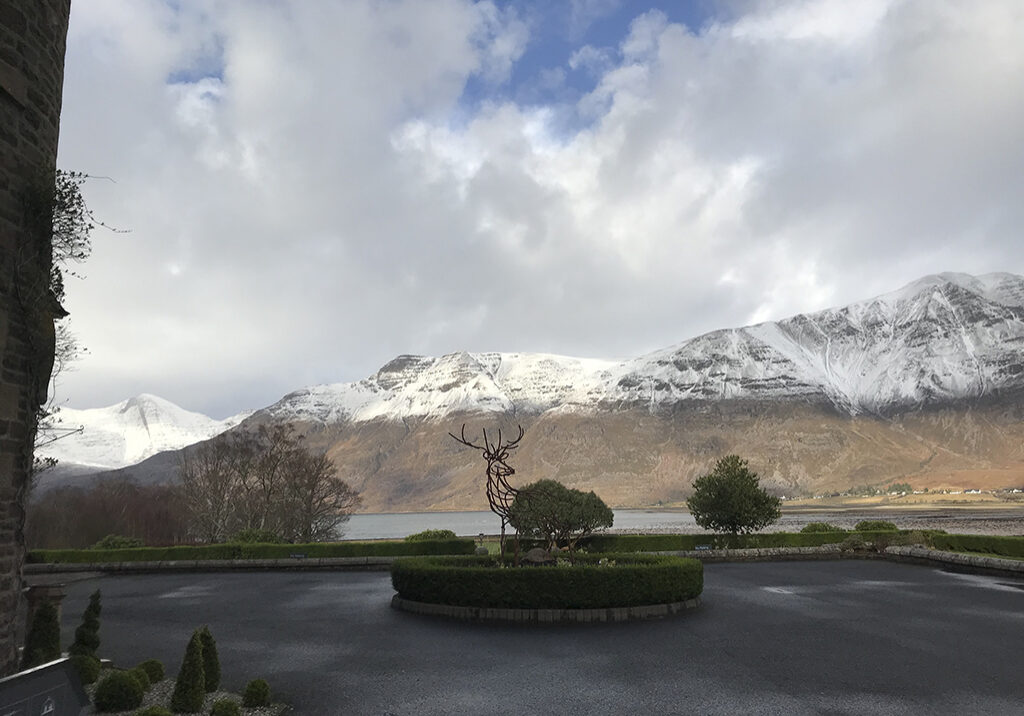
(130, 431)
(817, 402)
(943, 338)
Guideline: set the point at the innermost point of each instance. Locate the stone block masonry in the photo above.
(33, 34)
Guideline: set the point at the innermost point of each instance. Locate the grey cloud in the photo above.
(327, 203)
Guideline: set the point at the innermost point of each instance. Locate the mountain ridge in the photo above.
(923, 383)
(898, 351)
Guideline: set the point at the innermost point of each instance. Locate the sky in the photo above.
(308, 189)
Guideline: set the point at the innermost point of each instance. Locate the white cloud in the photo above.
(325, 201)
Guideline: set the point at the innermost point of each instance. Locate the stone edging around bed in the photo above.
(544, 616)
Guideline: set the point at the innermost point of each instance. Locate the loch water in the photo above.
(471, 524)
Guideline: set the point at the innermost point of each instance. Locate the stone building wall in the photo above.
(32, 42)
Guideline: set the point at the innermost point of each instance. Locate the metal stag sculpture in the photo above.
(500, 494)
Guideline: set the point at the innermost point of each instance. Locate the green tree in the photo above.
(730, 499)
(557, 513)
(190, 686)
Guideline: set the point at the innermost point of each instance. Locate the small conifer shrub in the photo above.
(190, 687)
(118, 691)
(154, 669)
(211, 662)
(225, 707)
(42, 643)
(88, 667)
(257, 693)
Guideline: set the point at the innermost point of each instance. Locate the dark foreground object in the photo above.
(52, 689)
(785, 637)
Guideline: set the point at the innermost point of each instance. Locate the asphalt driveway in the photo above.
(844, 637)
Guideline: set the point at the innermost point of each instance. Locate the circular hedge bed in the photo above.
(594, 582)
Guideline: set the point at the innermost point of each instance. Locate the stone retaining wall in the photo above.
(213, 565)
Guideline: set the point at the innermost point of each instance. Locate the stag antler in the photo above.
(500, 494)
(466, 442)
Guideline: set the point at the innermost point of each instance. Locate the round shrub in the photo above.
(226, 707)
(154, 670)
(821, 527)
(622, 580)
(118, 691)
(257, 693)
(88, 667)
(428, 535)
(874, 526)
(153, 711)
(140, 675)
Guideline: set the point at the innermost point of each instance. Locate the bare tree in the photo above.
(317, 501)
(264, 481)
(211, 487)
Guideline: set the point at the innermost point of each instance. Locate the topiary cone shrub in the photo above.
(42, 643)
(118, 691)
(211, 662)
(190, 687)
(87, 635)
(257, 693)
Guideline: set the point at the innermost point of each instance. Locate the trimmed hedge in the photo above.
(687, 543)
(633, 580)
(821, 527)
(390, 548)
(1006, 546)
(427, 535)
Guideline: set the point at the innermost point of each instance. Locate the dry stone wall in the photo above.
(32, 42)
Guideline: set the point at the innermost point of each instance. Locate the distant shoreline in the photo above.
(828, 504)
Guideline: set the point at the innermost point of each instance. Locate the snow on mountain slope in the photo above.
(130, 431)
(942, 338)
(421, 386)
